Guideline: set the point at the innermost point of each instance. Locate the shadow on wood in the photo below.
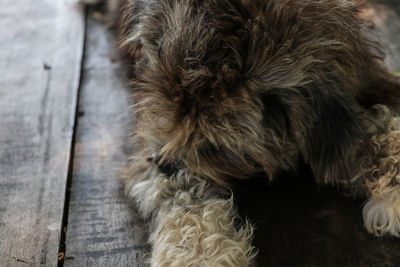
(299, 223)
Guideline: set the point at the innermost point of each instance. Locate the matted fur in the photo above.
(194, 222)
(225, 89)
(382, 178)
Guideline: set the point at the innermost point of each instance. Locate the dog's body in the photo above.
(229, 88)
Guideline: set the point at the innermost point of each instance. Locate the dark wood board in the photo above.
(102, 229)
(40, 59)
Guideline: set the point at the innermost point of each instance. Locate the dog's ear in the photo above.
(335, 135)
(326, 125)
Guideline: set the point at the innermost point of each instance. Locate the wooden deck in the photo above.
(64, 123)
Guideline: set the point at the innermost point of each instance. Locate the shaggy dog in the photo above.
(225, 89)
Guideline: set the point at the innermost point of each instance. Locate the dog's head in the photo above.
(200, 90)
(207, 119)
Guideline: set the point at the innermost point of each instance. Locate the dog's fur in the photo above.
(225, 89)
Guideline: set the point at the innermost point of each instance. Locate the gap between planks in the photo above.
(64, 224)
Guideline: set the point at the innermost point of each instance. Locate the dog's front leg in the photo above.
(194, 222)
(380, 171)
(360, 149)
(370, 166)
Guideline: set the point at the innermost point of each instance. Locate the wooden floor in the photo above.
(64, 123)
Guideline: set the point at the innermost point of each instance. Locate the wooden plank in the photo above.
(102, 230)
(40, 59)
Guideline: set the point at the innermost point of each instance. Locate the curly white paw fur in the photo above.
(202, 234)
(382, 213)
(192, 224)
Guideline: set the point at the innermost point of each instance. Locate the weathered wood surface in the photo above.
(102, 230)
(41, 48)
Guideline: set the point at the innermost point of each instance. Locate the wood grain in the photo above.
(102, 230)
(40, 59)
(41, 49)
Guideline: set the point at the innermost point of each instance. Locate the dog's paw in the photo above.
(201, 234)
(382, 213)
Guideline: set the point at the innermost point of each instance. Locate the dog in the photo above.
(227, 89)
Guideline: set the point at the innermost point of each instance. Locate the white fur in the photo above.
(194, 224)
(382, 213)
(200, 234)
(134, 36)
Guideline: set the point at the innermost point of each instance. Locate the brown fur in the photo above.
(228, 88)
